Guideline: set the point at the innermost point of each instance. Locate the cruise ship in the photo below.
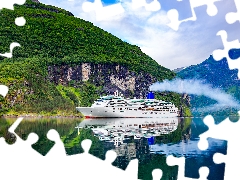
(116, 106)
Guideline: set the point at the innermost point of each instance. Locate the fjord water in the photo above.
(180, 138)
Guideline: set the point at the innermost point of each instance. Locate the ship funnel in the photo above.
(116, 93)
(150, 95)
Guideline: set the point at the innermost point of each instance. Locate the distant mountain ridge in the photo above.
(215, 73)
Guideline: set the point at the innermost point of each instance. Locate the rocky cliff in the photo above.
(110, 77)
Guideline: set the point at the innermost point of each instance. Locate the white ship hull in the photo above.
(108, 112)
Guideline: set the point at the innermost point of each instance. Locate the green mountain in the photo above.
(218, 75)
(64, 62)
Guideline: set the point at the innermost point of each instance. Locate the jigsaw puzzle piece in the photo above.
(217, 22)
(216, 131)
(221, 53)
(173, 14)
(21, 147)
(9, 4)
(107, 170)
(232, 155)
(103, 12)
(180, 162)
(232, 17)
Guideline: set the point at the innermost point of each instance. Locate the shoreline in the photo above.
(37, 116)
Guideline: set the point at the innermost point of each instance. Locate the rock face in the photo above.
(111, 77)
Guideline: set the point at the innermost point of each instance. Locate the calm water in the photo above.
(149, 140)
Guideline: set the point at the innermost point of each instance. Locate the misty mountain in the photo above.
(215, 73)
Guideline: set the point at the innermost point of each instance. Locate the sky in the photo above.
(144, 23)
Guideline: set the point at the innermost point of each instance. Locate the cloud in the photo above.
(191, 44)
(197, 87)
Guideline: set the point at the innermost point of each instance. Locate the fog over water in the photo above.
(197, 87)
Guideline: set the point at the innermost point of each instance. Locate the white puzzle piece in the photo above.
(3, 90)
(12, 46)
(221, 53)
(9, 4)
(103, 12)
(228, 131)
(232, 17)
(174, 16)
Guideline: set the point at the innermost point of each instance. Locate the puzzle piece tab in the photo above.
(3, 90)
(232, 17)
(12, 46)
(103, 12)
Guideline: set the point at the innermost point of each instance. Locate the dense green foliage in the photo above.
(69, 40)
(53, 36)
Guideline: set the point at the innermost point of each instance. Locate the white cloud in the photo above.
(191, 44)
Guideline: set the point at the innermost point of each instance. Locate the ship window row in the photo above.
(158, 109)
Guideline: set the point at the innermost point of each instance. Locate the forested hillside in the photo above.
(64, 62)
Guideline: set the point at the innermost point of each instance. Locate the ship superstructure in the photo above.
(115, 106)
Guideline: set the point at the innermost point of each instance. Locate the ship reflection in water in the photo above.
(151, 140)
(119, 131)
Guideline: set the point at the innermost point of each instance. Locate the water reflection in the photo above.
(150, 140)
(118, 131)
(132, 138)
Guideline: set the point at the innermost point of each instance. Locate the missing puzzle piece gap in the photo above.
(110, 156)
(58, 149)
(12, 46)
(103, 12)
(173, 14)
(219, 54)
(9, 4)
(229, 131)
(232, 17)
(3, 90)
(157, 174)
(180, 162)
